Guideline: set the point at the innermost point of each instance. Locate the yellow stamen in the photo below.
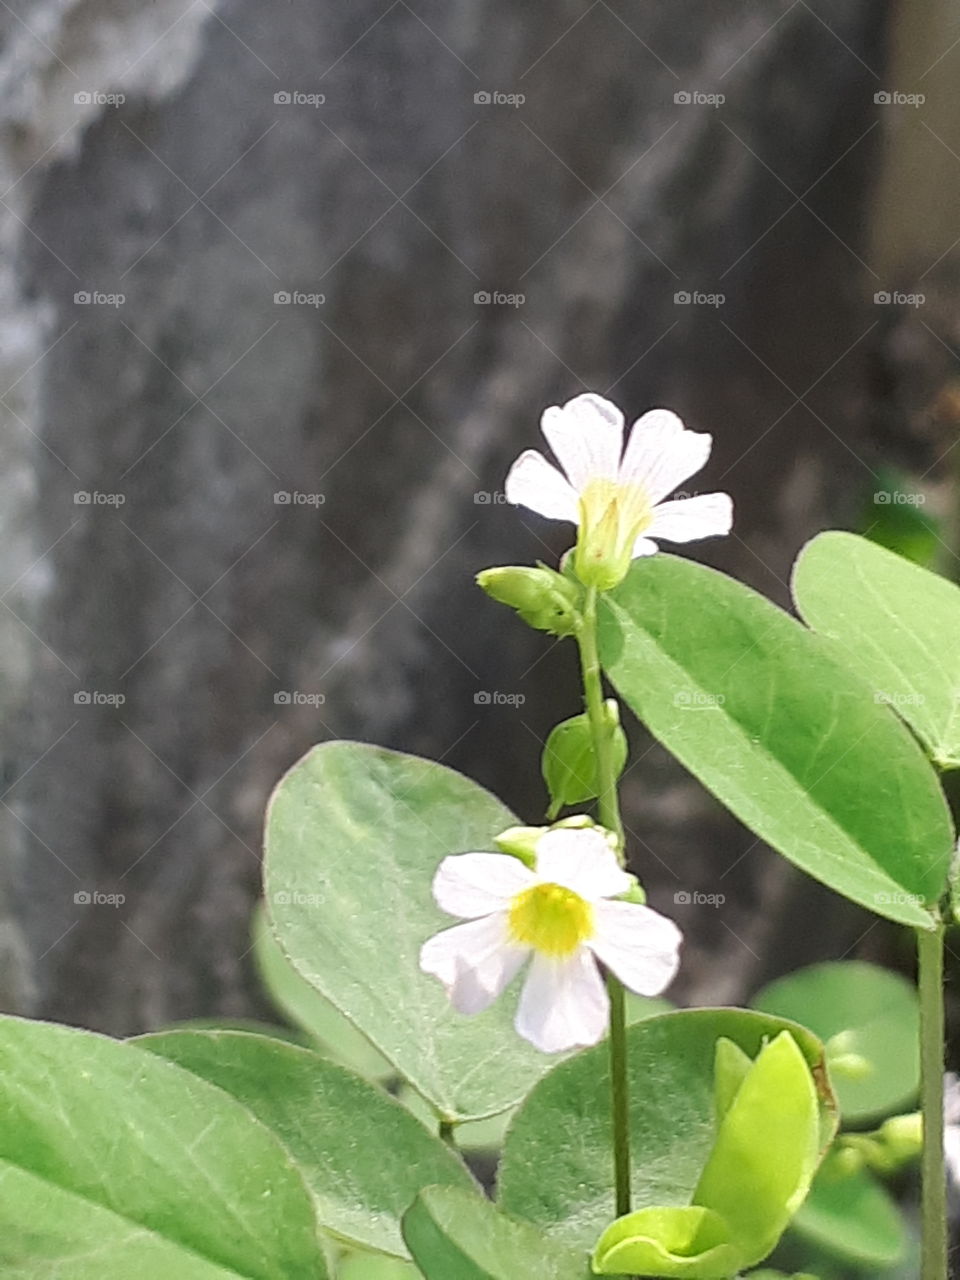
(550, 918)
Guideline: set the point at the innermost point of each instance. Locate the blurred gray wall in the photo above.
(180, 156)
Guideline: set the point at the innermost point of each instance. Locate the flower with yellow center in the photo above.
(562, 914)
(616, 495)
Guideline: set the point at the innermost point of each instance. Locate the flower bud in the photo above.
(545, 600)
(569, 763)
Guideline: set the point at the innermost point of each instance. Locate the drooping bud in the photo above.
(569, 764)
(544, 599)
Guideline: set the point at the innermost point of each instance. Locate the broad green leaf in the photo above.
(690, 1242)
(557, 1169)
(854, 1217)
(454, 1236)
(335, 1037)
(859, 1011)
(115, 1164)
(354, 837)
(771, 720)
(361, 1153)
(766, 1151)
(731, 1067)
(894, 623)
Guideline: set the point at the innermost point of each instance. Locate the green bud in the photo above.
(569, 764)
(520, 842)
(903, 1136)
(544, 599)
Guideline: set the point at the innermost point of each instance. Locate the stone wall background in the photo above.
(201, 196)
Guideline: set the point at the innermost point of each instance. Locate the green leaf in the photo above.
(330, 1031)
(766, 1151)
(690, 1242)
(363, 1155)
(774, 723)
(896, 624)
(731, 1067)
(369, 1266)
(354, 837)
(557, 1167)
(568, 762)
(115, 1164)
(860, 1010)
(854, 1217)
(453, 1236)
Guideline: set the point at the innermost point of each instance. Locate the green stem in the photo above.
(446, 1134)
(930, 964)
(608, 805)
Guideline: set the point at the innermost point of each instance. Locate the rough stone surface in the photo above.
(399, 400)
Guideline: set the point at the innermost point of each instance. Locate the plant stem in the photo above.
(446, 1133)
(930, 965)
(608, 805)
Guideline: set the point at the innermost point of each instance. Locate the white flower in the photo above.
(559, 913)
(951, 1126)
(616, 495)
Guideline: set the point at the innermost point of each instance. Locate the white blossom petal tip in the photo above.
(564, 914)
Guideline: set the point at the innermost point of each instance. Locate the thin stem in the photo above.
(607, 800)
(930, 964)
(446, 1134)
(609, 813)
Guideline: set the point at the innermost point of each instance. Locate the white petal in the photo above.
(474, 961)
(587, 437)
(640, 945)
(581, 860)
(470, 885)
(708, 515)
(644, 547)
(661, 454)
(532, 482)
(564, 1003)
